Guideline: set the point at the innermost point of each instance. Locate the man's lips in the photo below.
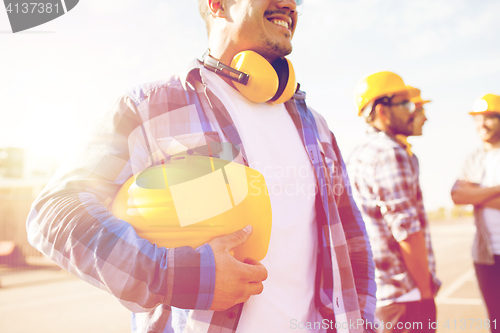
(280, 23)
(280, 18)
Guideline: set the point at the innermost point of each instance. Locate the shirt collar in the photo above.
(403, 142)
(190, 73)
(375, 131)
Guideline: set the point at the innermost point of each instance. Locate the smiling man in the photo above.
(386, 187)
(479, 185)
(318, 273)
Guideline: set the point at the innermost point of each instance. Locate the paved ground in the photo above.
(47, 300)
(52, 301)
(460, 307)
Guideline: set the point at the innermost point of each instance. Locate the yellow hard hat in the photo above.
(193, 199)
(418, 99)
(489, 103)
(378, 85)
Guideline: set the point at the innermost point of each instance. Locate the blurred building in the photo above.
(23, 174)
(12, 162)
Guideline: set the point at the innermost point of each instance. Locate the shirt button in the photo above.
(231, 315)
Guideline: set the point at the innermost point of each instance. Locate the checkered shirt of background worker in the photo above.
(385, 183)
(473, 171)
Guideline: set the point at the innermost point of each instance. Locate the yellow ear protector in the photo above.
(256, 78)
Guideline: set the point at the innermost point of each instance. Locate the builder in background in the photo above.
(479, 185)
(386, 187)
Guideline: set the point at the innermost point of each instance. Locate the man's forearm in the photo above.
(492, 203)
(464, 193)
(91, 243)
(414, 254)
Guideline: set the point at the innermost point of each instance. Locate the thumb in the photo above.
(238, 237)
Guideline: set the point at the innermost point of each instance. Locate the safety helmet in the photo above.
(418, 99)
(192, 199)
(489, 103)
(378, 85)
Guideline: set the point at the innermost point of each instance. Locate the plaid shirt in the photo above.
(473, 171)
(386, 187)
(171, 290)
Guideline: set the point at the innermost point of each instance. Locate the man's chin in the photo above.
(485, 137)
(407, 131)
(418, 132)
(287, 51)
(276, 50)
(491, 139)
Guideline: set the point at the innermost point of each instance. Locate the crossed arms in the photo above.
(467, 193)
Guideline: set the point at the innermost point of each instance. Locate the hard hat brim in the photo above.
(421, 102)
(413, 92)
(474, 113)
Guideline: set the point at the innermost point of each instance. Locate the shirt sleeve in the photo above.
(396, 187)
(70, 223)
(358, 244)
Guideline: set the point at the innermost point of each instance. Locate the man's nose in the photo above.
(289, 4)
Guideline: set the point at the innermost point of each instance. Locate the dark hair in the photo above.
(386, 100)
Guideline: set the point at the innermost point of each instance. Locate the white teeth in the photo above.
(280, 22)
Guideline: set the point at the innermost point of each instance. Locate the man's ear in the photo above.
(381, 111)
(216, 8)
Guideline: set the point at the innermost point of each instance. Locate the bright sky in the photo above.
(56, 79)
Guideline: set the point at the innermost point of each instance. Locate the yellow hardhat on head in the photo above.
(378, 85)
(489, 103)
(418, 99)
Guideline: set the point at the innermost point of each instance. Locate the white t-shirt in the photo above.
(273, 147)
(491, 216)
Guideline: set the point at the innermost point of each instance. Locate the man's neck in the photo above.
(224, 50)
(379, 125)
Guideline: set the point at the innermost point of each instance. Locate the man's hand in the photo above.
(235, 281)
(465, 185)
(414, 253)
